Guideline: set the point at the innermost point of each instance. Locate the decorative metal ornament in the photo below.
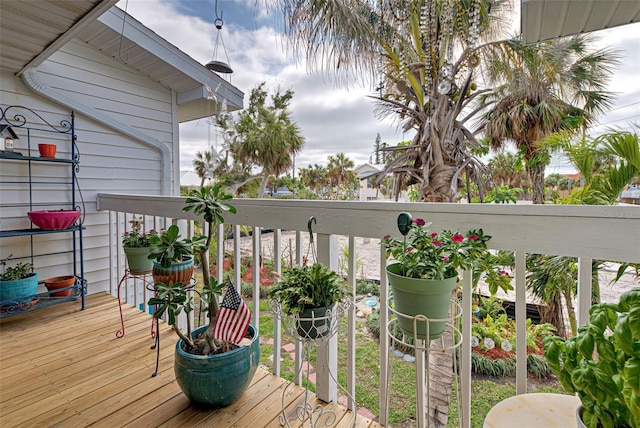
(404, 223)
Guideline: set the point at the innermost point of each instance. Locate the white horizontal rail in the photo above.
(587, 232)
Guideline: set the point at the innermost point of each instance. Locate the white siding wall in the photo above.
(109, 160)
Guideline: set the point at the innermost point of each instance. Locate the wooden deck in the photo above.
(65, 367)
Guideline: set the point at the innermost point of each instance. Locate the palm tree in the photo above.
(339, 170)
(315, 177)
(544, 89)
(205, 163)
(425, 53)
(608, 163)
(265, 135)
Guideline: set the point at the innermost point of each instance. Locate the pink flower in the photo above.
(503, 272)
(474, 238)
(419, 222)
(433, 235)
(152, 231)
(437, 243)
(385, 237)
(457, 238)
(410, 250)
(126, 233)
(445, 258)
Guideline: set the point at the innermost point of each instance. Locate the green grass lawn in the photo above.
(484, 393)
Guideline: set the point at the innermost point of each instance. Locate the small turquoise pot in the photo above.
(428, 297)
(177, 272)
(217, 380)
(19, 288)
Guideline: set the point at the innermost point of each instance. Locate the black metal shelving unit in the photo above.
(30, 125)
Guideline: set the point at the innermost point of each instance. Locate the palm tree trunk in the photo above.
(263, 184)
(440, 382)
(536, 173)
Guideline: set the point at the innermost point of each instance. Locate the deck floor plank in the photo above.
(65, 367)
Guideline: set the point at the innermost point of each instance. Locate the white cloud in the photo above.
(331, 119)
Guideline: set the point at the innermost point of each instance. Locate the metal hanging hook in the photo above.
(310, 223)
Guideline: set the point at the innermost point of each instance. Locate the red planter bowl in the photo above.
(53, 220)
(47, 150)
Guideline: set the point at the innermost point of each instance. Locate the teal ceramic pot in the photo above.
(427, 297)
(313, 323)
(19, 288)
(217, 380)
(177, 272)
(138, 259)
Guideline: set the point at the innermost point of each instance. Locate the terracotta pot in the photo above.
(59, 282)
(47, 150)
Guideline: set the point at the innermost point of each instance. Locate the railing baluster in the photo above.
(256, 275)
(351, 327)
(384, 338)
(521, 323)
(298, 344)
(585, 285)
(237, 256)
(465, 361)
(277, 325)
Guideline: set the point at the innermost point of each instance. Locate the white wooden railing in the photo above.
(587, 232)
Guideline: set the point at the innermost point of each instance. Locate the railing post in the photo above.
(327, 351)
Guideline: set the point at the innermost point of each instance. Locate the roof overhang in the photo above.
(32, 30)
(550, 19)
(199, 91)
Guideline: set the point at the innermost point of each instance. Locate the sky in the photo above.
(331, 118)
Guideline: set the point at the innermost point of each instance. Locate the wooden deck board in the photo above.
(65, 367)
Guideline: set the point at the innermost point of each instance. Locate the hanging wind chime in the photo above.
(215, 64)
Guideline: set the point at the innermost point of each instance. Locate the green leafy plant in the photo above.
(167, 247)
(136, 238)
(608, 384)
(19, 271)
(439, 255)
(308, 286)
(175, 298)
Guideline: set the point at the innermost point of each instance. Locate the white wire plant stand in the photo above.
(312, 331)
(423, 350)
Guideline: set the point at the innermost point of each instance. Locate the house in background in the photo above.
(129, 90)
(367, 190)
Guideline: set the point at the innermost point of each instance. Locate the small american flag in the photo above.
(233, 317)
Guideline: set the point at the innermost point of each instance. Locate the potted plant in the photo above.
(136, 245)
(307, 293)
(172, 256)
(425, 271)
(18, 281)
(607, 382)
(210, 369)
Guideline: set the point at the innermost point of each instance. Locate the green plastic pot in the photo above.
(313, 323)
(428, 297)
(217, 380)
(138, 259)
